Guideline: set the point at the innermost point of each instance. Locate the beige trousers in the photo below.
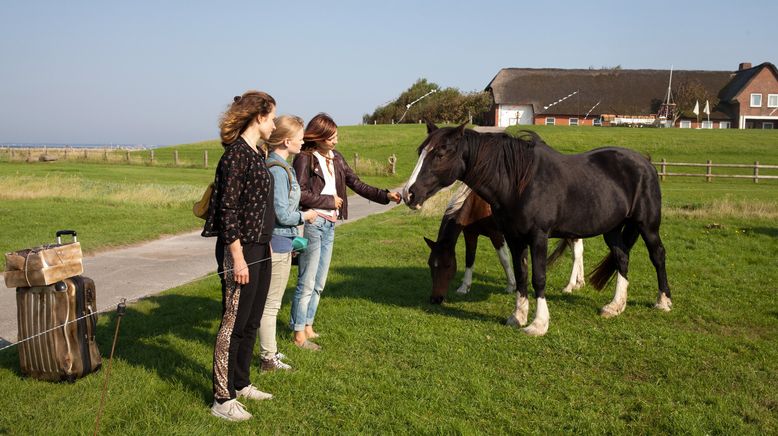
(282, 264)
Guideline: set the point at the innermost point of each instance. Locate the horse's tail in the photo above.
(559, 250)
(603, 272)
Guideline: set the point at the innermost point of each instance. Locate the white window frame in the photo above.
(685, 124)
(725, 125)
(772, 100)
(768, 123)
(706, 124)
(573, 122)
(755, 96)
(552, 119)
(597, 122)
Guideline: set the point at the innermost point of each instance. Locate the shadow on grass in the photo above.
(410, 287)
(768, 231)
(152, 338)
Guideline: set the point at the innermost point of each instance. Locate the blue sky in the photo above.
(161, 72)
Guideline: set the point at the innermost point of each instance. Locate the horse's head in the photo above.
(443, 266)
(441, 162)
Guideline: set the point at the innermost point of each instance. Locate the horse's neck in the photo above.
(492, 189)
(449, 231)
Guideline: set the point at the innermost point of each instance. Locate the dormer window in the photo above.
(756, 100)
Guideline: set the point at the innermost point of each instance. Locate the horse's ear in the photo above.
(461, 129)
(430, 243)
(431, 127)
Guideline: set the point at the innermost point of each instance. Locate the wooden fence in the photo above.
(709, 166)
(362, 166)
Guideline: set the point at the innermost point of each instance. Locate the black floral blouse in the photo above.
(241, 205)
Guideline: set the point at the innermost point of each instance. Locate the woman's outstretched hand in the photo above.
(395, 196)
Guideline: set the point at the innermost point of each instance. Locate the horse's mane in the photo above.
(501, 155)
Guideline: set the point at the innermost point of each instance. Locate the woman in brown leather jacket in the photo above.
(323, 175)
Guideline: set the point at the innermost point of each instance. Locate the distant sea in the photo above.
(71, 145)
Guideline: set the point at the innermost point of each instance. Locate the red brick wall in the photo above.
(763, 83)
(562, 120)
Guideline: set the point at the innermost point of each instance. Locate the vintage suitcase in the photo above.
(44, 265)
(68, 351)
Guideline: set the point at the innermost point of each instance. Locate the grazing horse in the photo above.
(469, 214)
(536, 193)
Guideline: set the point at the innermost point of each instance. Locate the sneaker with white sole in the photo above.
(252, 393)
(273, 364)
(280, 356)
(231, 410)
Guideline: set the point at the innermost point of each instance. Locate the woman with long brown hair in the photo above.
(323, 175)
(241, 216)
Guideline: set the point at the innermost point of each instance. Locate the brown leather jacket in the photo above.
(311, 179)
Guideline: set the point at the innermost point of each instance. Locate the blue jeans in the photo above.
(313, 269)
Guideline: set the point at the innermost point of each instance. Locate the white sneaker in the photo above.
(280, 356)
(253, 393)
(231, 410)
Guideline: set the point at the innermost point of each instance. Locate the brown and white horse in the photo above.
(469, 214)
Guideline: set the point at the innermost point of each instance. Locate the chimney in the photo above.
(744, 66)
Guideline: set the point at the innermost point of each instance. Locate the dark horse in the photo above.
(536, 193)
(469, 214)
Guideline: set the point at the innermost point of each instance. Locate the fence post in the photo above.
(708, 171)
(127, 153)
(175, 157)
(152, 156)
(66, 153)
(29, 155)
(205, 158)
(105, 154)
(393, 164)
(356, 162)
(756, 172)
(12, 152)
(86, 155)
(664, 169)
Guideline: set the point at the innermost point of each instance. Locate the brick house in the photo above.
(746, 98)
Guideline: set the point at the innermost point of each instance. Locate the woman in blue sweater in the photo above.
(285, 141)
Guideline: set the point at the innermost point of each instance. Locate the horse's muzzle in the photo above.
(408, 198)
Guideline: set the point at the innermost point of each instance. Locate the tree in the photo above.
(687, 94)
(445, 105)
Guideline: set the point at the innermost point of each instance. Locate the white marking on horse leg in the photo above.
(414, 175)
(619, 302)
(578, 251)
(539, 326)
(663, 302)
(519, 316)
(505, 259)
(467, 280)
(576, 281)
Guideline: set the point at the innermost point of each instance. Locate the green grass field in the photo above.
(392, 362)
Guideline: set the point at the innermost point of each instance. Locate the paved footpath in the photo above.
(147, 269)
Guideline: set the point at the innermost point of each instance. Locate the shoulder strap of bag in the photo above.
(285, 167)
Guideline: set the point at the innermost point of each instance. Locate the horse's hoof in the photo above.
(579, 285)
(568, 289)
(512, 321)
(611, 310)
(535, 329)
(663, 302)
(463, 289)
(510, 289)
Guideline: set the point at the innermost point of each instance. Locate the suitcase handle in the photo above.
(66, 232)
